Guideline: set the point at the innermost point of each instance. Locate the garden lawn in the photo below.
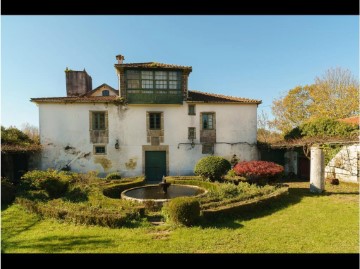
(298, 223)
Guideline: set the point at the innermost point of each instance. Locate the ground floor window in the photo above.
(100, 150)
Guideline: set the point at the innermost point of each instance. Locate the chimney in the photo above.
(120, 58)
(77, 82)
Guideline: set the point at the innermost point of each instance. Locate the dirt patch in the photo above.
(160, 235)
(131, 164)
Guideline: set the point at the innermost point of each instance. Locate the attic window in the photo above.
(105, 93)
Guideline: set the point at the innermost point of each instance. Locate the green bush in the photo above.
(77, 194)
(14, 136)
(82, 214)
(114, 189)
(53, 182)
(323, 128)
(182, 210)
(212, 167)
(112, 176)
(8, 191)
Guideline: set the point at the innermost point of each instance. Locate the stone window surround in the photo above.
(155, 133)
(99, 145)
(99, 136)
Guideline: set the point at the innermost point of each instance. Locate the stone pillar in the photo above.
(317, 170)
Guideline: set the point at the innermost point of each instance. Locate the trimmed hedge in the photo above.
(82, 214)
(212, 167)
(53, 182)
(112, 176)
(114, 188)
(196, 182)
(250, 205)
(8, 191)
(182, 210)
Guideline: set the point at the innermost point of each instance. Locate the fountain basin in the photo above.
(156, 194)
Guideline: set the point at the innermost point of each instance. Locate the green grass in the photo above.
(300, 222)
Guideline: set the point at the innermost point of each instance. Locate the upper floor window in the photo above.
(191, 109)
(207, 121)
(155, 121)
(105, 93)
(191, 133)
(98, 121)
(145, 79)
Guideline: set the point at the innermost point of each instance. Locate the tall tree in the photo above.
(31, 131)
(334, 95)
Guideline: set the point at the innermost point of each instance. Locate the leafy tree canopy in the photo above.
(334, 95)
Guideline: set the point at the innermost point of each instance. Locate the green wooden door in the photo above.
(155, 165)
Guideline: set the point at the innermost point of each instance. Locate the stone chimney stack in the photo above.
(77, 82)
(120, 58)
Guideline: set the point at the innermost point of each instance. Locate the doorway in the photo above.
(155, 165)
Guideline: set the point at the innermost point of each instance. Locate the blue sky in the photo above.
(258, 57)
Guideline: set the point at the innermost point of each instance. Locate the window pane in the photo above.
(146, 75)
(191, 133)
(147, 84)
(207, 121)
(99, 149)
(133, 84)
(155, 121)
(210, 121)
(98, 121)
(173, 75)
(133, 74)
(161, 75)
(105, 93)
(160, 84)
(174, 85)
(191, 110)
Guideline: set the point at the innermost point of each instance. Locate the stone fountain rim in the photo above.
(124, 196)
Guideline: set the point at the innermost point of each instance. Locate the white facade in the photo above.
(64, 134)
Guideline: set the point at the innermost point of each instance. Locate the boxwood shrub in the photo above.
(114, 189)
(212, 167)
(112, 176)
(182, 210)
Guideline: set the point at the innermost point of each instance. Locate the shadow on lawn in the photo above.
(55, 244)
(259, 210)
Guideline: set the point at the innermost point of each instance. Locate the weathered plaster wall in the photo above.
(64, 134)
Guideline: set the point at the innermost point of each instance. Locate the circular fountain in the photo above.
(162, 192)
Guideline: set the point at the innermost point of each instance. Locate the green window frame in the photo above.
(208, 121)
(155, 121)
(98, 121)
(105, 93)
(156, 80)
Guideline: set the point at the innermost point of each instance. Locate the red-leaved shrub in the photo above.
(258, 171)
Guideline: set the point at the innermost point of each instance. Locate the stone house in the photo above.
(153, 124)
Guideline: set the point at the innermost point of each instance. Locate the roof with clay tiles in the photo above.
(197, 96)
(154, 65)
